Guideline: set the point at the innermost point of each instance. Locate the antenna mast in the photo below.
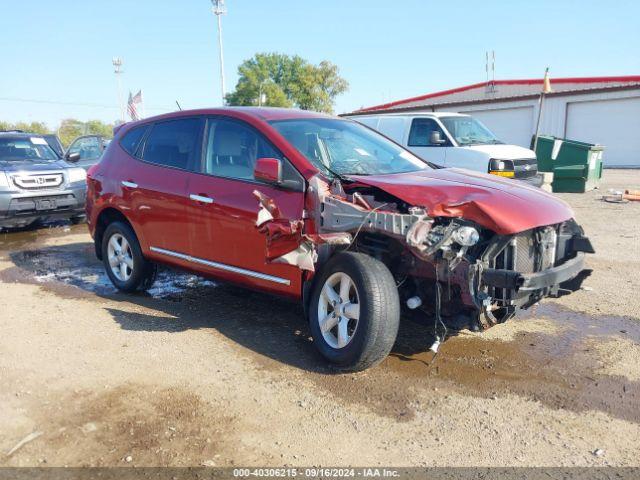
(491, 80)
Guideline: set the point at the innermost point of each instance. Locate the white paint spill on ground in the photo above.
(93, 278)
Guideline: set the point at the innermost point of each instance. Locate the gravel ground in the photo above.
(202, 374)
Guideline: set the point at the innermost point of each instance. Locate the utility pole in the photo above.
(546, 88)
(219, 9)
(117, 70)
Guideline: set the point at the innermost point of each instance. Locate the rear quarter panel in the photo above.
(105, 189)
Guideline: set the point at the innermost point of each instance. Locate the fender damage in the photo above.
(465, 250)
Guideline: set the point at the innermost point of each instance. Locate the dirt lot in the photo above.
(197, 373)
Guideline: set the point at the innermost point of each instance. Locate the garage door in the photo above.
(612, 123)
(511, 125)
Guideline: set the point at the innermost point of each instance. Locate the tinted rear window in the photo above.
(131, 140)
(175, 143)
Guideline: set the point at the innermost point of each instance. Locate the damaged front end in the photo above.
(450, 269)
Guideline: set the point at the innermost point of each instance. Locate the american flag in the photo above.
(131, 105)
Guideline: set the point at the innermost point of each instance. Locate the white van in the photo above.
(456, 140)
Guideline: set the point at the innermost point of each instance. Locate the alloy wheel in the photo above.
(120, 257)
(338, 310)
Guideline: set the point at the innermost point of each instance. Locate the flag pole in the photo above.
(546, 87)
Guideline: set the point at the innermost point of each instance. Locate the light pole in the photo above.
(117, 70)
(219, 9)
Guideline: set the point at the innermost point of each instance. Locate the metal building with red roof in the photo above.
(604, 110)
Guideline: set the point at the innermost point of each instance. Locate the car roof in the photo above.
(260, 113)
(413, 114)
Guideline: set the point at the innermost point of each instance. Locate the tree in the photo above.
(33, 127)
(287, 81)
(71, 128)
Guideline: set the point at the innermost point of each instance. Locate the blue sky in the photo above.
(61, 51)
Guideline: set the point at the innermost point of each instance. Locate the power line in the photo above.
(74, 104)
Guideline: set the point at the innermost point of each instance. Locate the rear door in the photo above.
(157, 184)
(223, 209)
(419, 141)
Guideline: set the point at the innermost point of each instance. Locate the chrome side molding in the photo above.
(222, 266)
(200, 198)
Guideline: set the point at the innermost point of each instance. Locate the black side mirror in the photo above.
(435, 138)
(72, 157)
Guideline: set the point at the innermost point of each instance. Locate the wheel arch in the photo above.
(387, 257)
(105, 217)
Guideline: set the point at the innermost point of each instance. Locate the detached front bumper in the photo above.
(514, 275)
(547, 279)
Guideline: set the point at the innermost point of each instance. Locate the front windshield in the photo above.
(24, 149)
(469, 131)
(345, 147)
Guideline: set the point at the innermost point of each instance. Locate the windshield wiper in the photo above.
(335, 174)
(31, 160)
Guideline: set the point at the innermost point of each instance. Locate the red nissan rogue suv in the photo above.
(332, 214)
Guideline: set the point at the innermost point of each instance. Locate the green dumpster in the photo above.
(544, 153)
(576, 166)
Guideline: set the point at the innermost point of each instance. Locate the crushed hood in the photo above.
(503, 206)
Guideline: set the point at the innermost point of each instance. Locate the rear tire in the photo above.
(354, 311)
(123, 261)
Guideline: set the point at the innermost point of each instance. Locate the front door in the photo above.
(89, 148)
(223, 209)
(419, 141)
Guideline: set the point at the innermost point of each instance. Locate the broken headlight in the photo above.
(465, 236)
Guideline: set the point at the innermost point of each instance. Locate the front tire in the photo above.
(354, 312)
(123, 261)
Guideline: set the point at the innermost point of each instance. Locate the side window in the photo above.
(392, 127)
(174, 143)
(131, 140)
(420, 133)
(233, 148)
(89, 148)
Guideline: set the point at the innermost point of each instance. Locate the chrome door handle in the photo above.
(200, 198)
(129, 184)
